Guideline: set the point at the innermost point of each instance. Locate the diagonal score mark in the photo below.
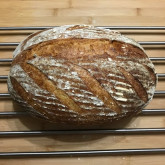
(136, 85)
(95, 87)
(25, 95)
(48, 85)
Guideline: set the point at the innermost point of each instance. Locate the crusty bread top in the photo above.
(96, 62)
(81, 79)
(73, 31)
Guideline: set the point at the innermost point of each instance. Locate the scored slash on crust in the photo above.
(136, 85)
(47, 84)
(90, 82)
(95, 87)
(112, 79)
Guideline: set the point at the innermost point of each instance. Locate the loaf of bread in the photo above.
(81, 75)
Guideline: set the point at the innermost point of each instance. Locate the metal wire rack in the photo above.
(128, 131)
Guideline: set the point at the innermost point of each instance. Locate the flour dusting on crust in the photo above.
(82, 31)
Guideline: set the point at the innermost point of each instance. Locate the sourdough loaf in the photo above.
(81, 75)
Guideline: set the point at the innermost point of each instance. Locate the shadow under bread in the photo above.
(36, 123)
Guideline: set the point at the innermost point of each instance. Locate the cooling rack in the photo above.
(122, 131)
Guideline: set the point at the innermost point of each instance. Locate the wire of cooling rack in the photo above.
(156, 59)
(84, 153)
(105, 27)
(128, 131)
(140, 42)
(24, 113)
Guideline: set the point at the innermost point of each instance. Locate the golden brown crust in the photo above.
(75, 49)
(48, 85)
(95, 87)
(81, 56)
(29, 98)
(137, 86)
(31, 36)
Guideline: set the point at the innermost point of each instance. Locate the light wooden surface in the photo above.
(100, 13)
